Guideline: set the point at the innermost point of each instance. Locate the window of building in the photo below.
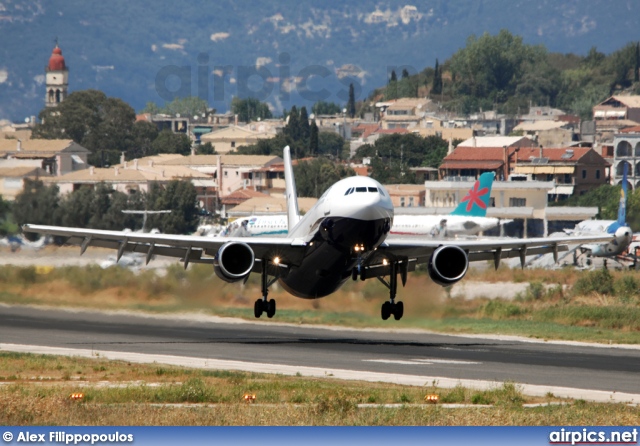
(492, 202)
(517, 202)
(401, 202)
(225, 173)
(598, 174)
(233, 143)
(410, 201)
(584, 174)
(567, 178)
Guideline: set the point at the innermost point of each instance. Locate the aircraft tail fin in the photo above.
(622, 208)
(476, 202)
(293, 215)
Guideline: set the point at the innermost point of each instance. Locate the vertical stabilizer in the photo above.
(622, 208)
(293, 216)
(476, 202)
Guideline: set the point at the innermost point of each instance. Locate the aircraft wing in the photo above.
(196, 249)
(412, 251)
(188, 248)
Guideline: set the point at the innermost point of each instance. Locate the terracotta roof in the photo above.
(496, 154)
(633, 129)
(487, 165)
(363, 171)
(477, 154)
(242, 195)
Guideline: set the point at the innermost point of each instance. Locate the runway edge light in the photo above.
(433, 399)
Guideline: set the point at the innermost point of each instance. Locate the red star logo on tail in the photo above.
(474, 197)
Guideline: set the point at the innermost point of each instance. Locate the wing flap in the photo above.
(290, 250)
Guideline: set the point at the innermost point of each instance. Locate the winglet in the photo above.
(293, 216)
(476, 202)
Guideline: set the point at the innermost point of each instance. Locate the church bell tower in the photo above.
(57, 78)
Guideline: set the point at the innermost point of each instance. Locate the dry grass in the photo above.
(548, 313)
(117, 393)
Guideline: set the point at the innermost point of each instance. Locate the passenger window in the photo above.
(361, 189)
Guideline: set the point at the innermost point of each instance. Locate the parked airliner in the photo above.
(469, 218)
(623, 235)
(343, 236)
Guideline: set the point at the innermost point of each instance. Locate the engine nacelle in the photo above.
(234, 261)
(448, 264)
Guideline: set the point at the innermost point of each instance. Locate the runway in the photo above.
(603, 373)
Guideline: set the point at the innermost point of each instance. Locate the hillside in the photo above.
(127, 48)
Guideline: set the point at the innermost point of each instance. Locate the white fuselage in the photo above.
(456, 224)
(351, 219)
(622, 237)
(420, 225)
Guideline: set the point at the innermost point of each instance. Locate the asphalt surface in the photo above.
(395, 353)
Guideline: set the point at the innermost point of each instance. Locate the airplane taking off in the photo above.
(619, 229)
(343, 236)
(469, 218)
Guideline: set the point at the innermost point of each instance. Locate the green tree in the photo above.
(292, 129)
(304, 129)
(636, 69)
(250, 109)
(436, 87)
(314, 177)
(313, 139)
(37, 204)
(169, 142)
(325, 108)
(179, 197)
(190, 106)
(351, 104)
(206, 149)
(144, 134)
(330, 143)
(101, 124)
(393, 156)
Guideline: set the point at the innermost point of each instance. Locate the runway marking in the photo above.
(602, 396)
(421, 361)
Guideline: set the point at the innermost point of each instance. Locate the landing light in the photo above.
(276, 260)
(249, 398)
(385, 262)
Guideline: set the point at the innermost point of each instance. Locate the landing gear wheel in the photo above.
(385, 311)
(257, 308)
(354, 274)
(271, 308)
(398, 310)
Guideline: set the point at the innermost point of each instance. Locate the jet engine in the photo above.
(234, 261)
(448, 264)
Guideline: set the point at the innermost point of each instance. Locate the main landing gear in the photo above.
(263, 305)
(392, 307)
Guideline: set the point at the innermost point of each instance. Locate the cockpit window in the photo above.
(361, 189)
(373, 189)
(350, 190)
(381, 192)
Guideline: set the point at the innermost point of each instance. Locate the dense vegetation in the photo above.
(101, 207)
(503, 73)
